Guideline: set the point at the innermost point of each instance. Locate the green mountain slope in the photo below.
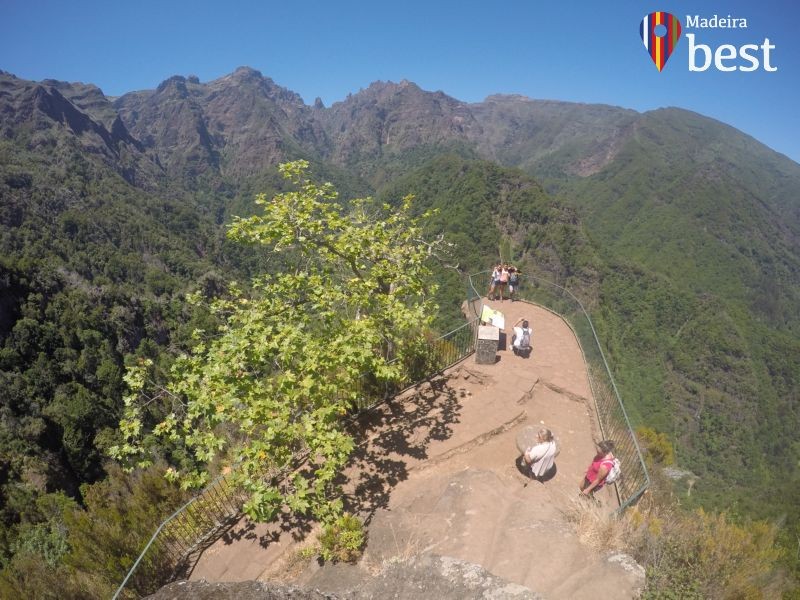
(92, 270)
(701, 315)
(481, 206)
(680, 233)
(700, 201)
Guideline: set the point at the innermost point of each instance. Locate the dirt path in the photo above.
(436, 473)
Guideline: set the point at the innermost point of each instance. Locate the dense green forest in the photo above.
(93, 272)
(700, 310)
(688, 262)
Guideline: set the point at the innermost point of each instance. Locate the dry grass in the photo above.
(688, 555)
(407, 546)
(597, 527)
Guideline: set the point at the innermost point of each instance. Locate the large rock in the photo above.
(239, 590)
(422, 576)
(426, 576)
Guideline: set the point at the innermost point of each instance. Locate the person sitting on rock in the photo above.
(541, 457)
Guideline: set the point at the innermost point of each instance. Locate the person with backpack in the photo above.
(521, 340)
(598, 472)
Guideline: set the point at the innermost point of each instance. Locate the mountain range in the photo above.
(680, 234)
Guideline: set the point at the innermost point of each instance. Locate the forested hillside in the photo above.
(702, 314)
(680, 234)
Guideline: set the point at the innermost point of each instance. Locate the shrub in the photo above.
(342, 540)
(705, 555)
(657, 448)
(688, 555)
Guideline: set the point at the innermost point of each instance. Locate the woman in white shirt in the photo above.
(541, 457)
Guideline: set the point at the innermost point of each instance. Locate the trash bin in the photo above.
(486, 347)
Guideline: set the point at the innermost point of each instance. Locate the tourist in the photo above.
(521, 339)
(495, 281)
(513, 281)
(541, 457)
(601, 466)
(503, 280)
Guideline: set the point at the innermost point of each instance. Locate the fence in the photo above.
(436, 355)
(196, 524)
(612, 418)
(184, 535)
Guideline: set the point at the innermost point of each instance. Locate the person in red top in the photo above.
(599, 469)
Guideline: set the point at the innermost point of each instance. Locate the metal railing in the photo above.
(189, 530)
(218, 506)
(183, 533)
(438, 354)
(611, 415)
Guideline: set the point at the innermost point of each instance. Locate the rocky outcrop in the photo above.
(236, 125)
(77, 117)
(425, 576)
(240, 590)
(395, 117)
(243, 123)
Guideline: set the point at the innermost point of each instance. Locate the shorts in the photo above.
(587, 483)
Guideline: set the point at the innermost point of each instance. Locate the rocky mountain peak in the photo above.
(176, 83)
(245, 72)
(246, 80)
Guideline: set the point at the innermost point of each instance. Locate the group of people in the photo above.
(504, 277)
(540, 460)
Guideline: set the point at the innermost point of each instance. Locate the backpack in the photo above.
(525, 341)
(615, 472)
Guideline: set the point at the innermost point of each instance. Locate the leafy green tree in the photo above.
(268, 391)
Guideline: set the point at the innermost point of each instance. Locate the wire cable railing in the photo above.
(196, 524)
(611, 415)
(218, 506)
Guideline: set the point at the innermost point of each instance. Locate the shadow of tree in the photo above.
(235, 534)
(388, 436)
(392, 433)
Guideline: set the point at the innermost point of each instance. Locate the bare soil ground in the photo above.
(436, 472)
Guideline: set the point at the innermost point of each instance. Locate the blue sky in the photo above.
(575, 51)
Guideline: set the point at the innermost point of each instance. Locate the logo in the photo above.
(660, 32)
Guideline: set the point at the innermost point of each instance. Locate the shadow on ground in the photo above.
(391, 434)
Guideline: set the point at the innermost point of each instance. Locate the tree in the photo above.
(270, 388)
